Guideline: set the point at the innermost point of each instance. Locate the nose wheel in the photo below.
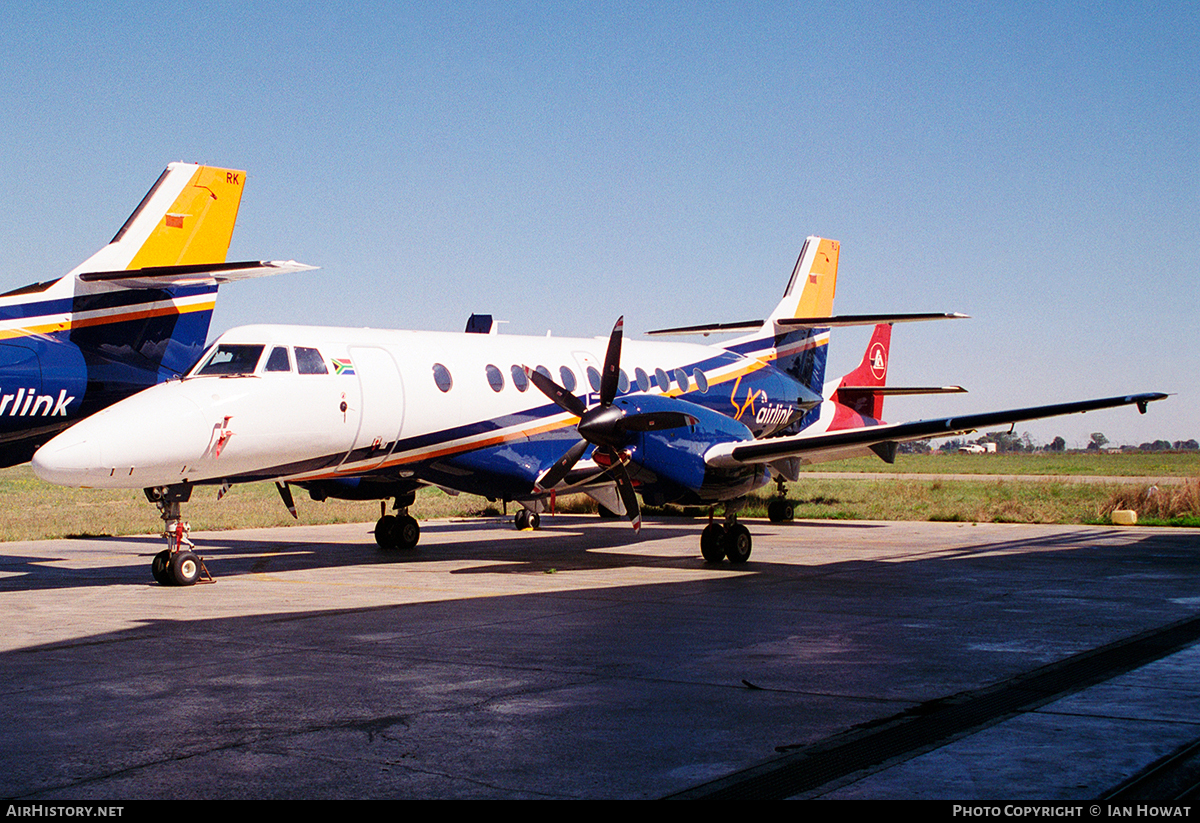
(177, 564)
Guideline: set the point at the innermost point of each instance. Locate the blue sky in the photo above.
(556, 165)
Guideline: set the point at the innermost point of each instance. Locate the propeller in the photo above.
(604, 426)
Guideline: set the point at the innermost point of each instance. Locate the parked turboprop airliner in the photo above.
(371, 414)
(133, 314)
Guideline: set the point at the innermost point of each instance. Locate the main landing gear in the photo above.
(176, 565)
(525, 520)
(729, 539)
(399, 530)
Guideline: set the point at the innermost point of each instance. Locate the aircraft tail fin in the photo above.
(800, 351)
(813, 283)
(858, 389)
(186, 218)
(858, 395)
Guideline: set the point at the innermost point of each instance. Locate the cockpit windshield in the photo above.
(231, 359)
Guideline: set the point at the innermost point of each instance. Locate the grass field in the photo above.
(1149, 464)
(33, 510)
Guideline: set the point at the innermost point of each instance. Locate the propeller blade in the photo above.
(628, 495)
(565, 400)
(560, 468)
(610, 379)
(651, 421)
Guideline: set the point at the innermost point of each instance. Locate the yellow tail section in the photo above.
(811, 290)
(186, 218)
(198, 225)
(816, 300)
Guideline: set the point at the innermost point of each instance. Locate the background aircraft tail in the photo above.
(857, 390)
(128, 332)
(187, 217)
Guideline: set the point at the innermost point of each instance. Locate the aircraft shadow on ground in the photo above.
(530, 694)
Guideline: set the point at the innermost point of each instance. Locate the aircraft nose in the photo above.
(65, 460)
(144, 438)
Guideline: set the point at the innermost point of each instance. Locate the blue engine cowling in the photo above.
(670, 462)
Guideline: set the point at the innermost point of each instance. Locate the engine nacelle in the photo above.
(677, 454)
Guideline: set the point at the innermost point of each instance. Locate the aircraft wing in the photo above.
(197, 274)
(883, 438)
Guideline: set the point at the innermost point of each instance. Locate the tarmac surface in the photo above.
(582, 660)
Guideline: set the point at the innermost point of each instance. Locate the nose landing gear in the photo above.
(176, 565)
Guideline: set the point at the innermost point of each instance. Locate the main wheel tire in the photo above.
(780, 511)
(185, 568)
(712, 543)
(385, 531)
(406, 533)
(521, 520)
(535, 520)
(737, 544)
(160, 567)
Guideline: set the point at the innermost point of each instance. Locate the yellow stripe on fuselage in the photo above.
(104, 319)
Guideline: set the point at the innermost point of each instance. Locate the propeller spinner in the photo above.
(604, 426)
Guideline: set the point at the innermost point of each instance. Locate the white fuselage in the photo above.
(378, 404)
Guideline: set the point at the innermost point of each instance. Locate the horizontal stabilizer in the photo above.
(898, 391)
(712, 328)
(864, 320)
(811, 322)
(198, 274)
(829, 445)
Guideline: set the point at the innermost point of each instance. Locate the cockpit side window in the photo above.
(310, 361)
(232, 359)
(279, 360)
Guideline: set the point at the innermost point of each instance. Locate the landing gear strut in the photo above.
(176, 565)
(729, 539)
(399, 530)
(780, 509)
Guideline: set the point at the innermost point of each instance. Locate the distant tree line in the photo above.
(1010, 442)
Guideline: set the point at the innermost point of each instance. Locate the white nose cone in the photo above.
(65, 460)
(147, 440)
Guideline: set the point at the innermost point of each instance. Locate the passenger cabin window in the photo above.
(568, 378)
(230, 359)
(310, 361)
(495, 378)
(642, 379)
(593, 378)
(519, 378)
(279, 360)
(682, 379)
(701, 380)
(664, 382)
(441, 376)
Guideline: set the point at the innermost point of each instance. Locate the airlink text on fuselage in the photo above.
(28, 403)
